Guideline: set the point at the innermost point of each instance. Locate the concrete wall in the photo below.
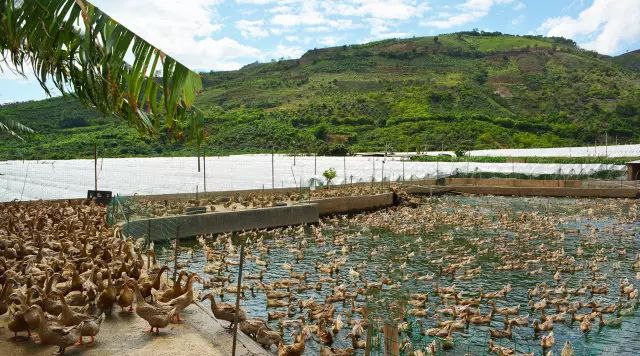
(218, 222)
(633, 171)
(511, 182)
(344, 205)
(551, 192)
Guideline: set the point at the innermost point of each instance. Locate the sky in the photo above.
(227, 34)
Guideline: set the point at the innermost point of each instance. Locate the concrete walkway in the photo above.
(123, 334)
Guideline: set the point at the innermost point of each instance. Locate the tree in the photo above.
(436, 39)
(329, 175)
(82, 50)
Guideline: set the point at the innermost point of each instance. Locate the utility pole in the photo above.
(273, 173)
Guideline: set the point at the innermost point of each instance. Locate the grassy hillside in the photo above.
(629, 60)
(461, 91)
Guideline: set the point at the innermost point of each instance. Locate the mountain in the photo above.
(629, 60)
(458, 91)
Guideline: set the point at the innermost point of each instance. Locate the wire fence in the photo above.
(33, 180)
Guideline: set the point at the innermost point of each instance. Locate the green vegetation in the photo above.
(329, 175)
(469, 90)
(552, 160)
(604, 175)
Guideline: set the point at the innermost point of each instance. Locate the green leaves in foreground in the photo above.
(82, 51)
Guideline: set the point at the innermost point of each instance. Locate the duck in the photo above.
(90, 324)
(107, 297)
(355, 342)
(173, 292)
(567, 349)
(18, 323)
(225, 311)
(251, 326)
(152, 282)
(52, 335)
(325, 337)
(266, 337)
(332, 351)
(500, 334)
(295, 349)
(547, 342)
(179, 303)
(125, 298)
(499, 350)
(448, 342)
(585, 325)
(546, 326)
(481, 319)
(611, 323)
(157, 316)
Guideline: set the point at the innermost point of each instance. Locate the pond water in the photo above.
(521, 242)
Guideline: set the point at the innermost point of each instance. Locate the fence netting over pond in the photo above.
(50, 179)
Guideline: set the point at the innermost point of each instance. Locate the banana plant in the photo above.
(90, 56)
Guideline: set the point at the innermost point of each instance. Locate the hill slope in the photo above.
(464, 90)
(630, 60)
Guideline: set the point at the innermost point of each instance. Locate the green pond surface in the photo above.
(477, 227)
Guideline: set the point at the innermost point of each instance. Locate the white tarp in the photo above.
(30, 180)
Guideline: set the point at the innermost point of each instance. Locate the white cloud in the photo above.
(283, 51)
(183, 29)
(292, 38)
(519, 6)
(390, 9)
(606, 25)
(469, 11)
(517, 20)
(252, 29)
(329, 41)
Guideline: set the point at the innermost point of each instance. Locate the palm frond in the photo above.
(13, 127)
(81, 50)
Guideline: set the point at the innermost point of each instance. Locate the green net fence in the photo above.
(139, 219)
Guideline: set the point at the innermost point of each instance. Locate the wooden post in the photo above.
(403, 169)
(204, 166)
(238, 294)
(175, 255)
(367, 347)
(95, 166)
(148, 232)
(391, 346)
(344, 167)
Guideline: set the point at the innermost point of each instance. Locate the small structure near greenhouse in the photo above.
(633, 170)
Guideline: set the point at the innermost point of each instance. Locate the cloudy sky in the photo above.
(226, 34)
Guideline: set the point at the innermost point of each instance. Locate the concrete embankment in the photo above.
(353, 204)
(548, 191)
(165, 228)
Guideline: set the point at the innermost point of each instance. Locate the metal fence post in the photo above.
(238, 293)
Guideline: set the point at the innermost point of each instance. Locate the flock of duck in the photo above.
(432, 271)
(440, 271)
(144, 207)
(62, 270)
